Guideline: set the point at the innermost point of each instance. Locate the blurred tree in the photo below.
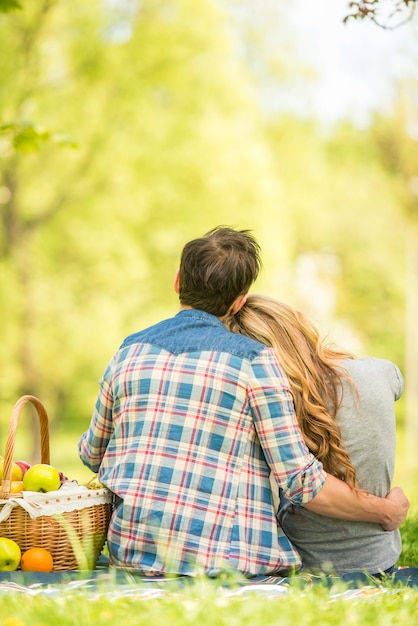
(397, 142)
(9, 5)
(166, 140)
(167, 143)
(345, 211)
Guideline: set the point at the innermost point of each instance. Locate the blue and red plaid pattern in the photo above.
(187, 441)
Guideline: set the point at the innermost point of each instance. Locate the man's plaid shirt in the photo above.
(189, 423)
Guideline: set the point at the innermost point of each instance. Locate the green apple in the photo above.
(9, 555)
(41, 477)
(16, 471)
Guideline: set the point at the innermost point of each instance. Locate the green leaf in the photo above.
(9, 5)
(27, 137)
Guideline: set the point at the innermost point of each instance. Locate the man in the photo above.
(189, 422)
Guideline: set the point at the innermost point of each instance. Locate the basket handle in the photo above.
(11, 438)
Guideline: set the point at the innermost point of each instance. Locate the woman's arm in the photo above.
(337, 499)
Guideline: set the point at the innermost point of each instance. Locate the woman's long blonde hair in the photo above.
(314, 373)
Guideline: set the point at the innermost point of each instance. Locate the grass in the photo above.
(409, 532)
(202, 604)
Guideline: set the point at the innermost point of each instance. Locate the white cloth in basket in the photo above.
(70, 497)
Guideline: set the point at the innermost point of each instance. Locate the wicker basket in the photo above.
(74, 538)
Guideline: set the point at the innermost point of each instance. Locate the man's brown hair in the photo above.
(217, 268)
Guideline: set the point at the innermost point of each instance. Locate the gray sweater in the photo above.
(368, 431)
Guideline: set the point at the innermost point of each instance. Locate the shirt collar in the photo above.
(197, 314)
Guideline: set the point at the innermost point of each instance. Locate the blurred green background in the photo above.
(127, 128)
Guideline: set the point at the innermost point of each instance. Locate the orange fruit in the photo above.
(36, 560)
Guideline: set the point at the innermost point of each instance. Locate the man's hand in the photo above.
(400, 508)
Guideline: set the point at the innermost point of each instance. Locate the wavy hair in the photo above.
(314, 372)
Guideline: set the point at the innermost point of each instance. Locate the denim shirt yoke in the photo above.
(193, 330)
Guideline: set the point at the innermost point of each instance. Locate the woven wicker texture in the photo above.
(75, 538)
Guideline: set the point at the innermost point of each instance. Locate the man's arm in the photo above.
(93, 443)
(337, 499)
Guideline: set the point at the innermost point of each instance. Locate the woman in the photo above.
(345, 408)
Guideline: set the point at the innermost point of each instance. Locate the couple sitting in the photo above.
(198, 429)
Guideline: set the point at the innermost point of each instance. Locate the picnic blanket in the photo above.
(114, 583)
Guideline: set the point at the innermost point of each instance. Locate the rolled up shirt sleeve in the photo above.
(292, 466)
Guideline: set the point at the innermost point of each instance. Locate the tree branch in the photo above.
(371, 10)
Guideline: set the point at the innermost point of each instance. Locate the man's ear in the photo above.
(238, 303)
(177, 282)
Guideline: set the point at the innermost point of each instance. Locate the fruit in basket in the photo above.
(16, 486)
(16, 471)
(63, 478)
(24, 466)
(36, 560)
(94, 483)
(9, 555)
(41, 477)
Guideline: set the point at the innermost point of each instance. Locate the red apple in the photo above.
(41, 477)
(24, 466)
(63, 478)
